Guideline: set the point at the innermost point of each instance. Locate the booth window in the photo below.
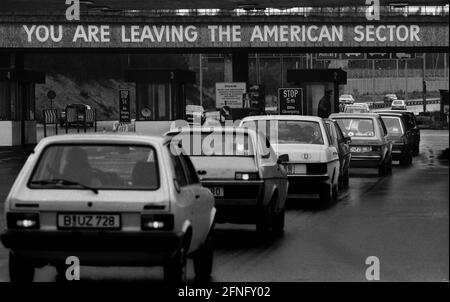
(153, 101)
(5, 101)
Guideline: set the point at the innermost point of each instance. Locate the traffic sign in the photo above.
(327, 56)
(404, 55)
(353, 56)
(124, 106)
(378, 55)
(290, 100)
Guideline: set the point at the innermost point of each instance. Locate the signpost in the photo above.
(290, 101)
(230, 94)
(124, 106)
(51, 95)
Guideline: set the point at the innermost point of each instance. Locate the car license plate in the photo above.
(295, 168)
(217, 191)
(360, 149)
(89, 221)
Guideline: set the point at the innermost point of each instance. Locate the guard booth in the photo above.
(160, 97)
(17, 101)
(315, 83)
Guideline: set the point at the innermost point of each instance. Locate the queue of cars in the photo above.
(154, 201)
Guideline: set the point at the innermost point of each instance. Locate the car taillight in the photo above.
(246, 176)
(316, 168)
(162, 222)
(22, 220)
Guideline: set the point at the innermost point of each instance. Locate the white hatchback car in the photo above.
(110, 200)
(313, 166)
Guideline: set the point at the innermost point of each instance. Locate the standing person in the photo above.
(324, 108)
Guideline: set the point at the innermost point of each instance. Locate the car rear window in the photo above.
(216, 143)
(289, 131)
(97, 166)
(397, 103)
(393, 124)
(358, 127)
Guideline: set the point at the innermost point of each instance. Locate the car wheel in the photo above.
(279, 222)
(416, 150)
(264, 221)
(346, 179)
(406, 160)
(20, 270)
(382, 168)
(326, 195)
(389, 166)
(175, 268)
(203, 259)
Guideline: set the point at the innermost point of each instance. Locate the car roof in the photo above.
(354, 115)
(398, 114)
(394, 111)
(285, 117)
(211, 129)
(103, 138)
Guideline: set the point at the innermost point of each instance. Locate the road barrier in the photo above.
(50, 118)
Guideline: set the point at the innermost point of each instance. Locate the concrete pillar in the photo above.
(240, 66)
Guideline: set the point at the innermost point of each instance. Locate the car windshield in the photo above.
(393, 124)
(359, 127)
(289, 131)
(355, 109)
(215, 143)
(96, 167)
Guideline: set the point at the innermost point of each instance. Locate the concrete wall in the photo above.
(382, 85)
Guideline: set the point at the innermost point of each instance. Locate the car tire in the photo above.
(279, 222)
(406, 160)
(382, 168)
(326, 195)
(264, 220)
(346, 181)
(203, 259)
(20, 270)
(175, 267)
(416, 150)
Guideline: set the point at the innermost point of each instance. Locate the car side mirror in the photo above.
(176, 185)
(283, 158)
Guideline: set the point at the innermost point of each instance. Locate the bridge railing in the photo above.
(341, 11)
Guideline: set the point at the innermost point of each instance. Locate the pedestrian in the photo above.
(324, 108)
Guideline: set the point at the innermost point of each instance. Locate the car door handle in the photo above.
(197, 196)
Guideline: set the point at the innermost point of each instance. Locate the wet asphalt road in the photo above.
(403, 219)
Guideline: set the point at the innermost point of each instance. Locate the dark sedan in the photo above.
(370, 146)
(401, 137)
(411, 126)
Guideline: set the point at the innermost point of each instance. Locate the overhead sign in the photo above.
(290, 100)
(327, 56)
(230, 94)
(353, 56)
(378, 55)
(203, 35)
(404, 55)
(124, 106)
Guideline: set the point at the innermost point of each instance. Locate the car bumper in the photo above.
(364, 160)
(398, 152)
(94, 247)
(240, 201)
(307, 184)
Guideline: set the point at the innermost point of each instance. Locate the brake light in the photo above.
(246, 176)
(157, 222)
(22, 220)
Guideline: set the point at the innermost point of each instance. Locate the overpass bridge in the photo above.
(205, 26)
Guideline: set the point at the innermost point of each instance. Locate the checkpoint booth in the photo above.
(17, 106)
(160, 97)
(315, 83)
